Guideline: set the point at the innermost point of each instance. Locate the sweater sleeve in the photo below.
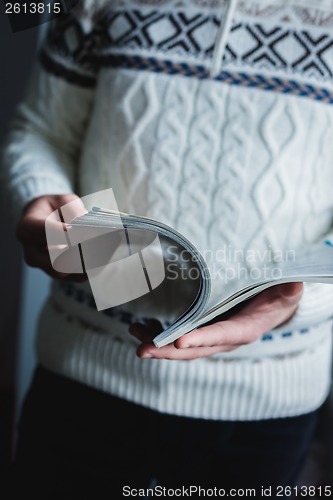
(41, 151)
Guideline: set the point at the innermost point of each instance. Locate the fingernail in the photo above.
(146, 355)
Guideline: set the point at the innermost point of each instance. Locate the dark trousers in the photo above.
(79, 443)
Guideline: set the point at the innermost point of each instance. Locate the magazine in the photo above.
(132, 240)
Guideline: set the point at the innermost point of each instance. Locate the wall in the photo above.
(18, 316)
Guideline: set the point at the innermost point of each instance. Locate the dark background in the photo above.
(16, 55)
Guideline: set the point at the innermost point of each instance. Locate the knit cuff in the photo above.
(29, 187)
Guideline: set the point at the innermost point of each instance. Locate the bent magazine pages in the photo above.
(126, 256)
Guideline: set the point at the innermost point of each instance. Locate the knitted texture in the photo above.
(243, 168)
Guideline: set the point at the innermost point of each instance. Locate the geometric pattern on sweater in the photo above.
(67, 51)
(182, 35)
(200, 4)
(86, 299)
(178, 33)
(261, 82)
(302, 12)
(128, 318)
(186, 40)
(287, 15)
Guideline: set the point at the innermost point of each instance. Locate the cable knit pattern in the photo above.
(235, 168)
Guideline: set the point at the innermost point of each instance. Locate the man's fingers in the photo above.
(259, 315)
(201, 339)
(76, 278)
(141, 332)
(154, 325)
(222, 333)
(146, 333)
(42, 206)
(262, 313)
(39, 257)
(36, 256)
(170, 352)
(31, 230)
(272, 307)
(286, 293)
(37, 247)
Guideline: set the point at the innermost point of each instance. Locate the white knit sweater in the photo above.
(214, 117)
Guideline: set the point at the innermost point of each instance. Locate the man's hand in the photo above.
(267, 310)
(31, 233)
